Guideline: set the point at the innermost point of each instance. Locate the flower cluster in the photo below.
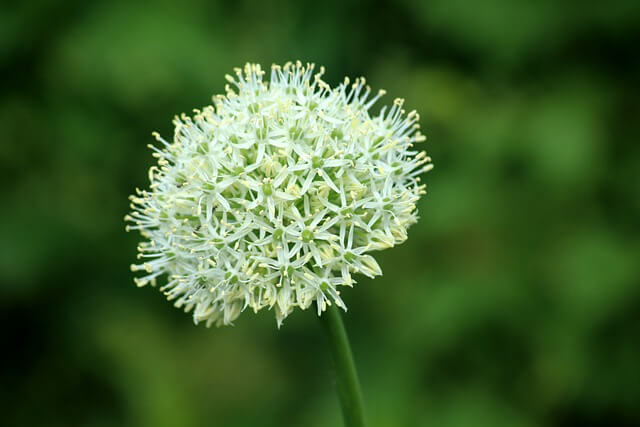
(276, 195)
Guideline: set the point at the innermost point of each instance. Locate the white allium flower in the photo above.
(276, 195)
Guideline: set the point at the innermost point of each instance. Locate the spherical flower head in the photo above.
(275, 195)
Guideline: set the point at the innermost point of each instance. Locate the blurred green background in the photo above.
(515, 301)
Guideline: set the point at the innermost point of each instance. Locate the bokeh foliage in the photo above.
(515, 301)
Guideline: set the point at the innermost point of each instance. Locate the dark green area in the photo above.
(515, 301)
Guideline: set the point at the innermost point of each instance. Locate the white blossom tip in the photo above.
(277, 194)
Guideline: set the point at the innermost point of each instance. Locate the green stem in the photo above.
(345, 369)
